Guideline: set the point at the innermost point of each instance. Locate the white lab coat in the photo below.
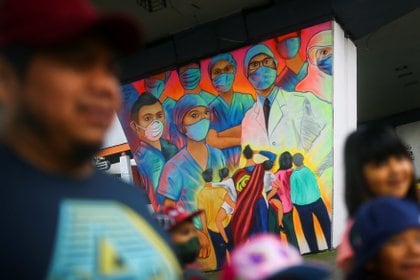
(298, 122)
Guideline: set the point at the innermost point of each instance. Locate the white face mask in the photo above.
(153, 131)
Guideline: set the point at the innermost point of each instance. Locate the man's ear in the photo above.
(8, 93)
(9, 81)
(133, 126)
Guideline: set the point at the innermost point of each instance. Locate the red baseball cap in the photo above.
(172, 216)
(41, 23)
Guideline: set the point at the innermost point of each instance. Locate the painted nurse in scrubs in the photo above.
(228, 109)
(181, 179)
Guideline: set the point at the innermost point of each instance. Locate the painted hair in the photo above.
(298, 159)
(369, 144)
(144, 100)
(207, 175)
(183, 105)
(223, 173)
(285, 161)
(187, 64)
(268, 165)
(248, 152)
(223, 56)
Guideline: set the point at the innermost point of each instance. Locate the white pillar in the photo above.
(345, 121)
(125, 167)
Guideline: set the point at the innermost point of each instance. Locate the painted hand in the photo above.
(204, 244)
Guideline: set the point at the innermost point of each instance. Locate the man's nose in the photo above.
(104, 83)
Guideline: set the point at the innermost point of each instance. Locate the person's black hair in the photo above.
(248, 152)
(299, 33)
(267, 165)
(285, 161)
(19, 57)
(369, 144)
(192, 62)
(365, 273)
(223, 173)
(144, 99)
(298, 159)
(207, 175)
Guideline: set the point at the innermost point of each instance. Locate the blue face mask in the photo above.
(155, 87)
(223, 82)
(198, 131)
(190, 78)
(289, 48)
(263, 77)
(325, 64)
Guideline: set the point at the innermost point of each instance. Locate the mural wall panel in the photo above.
(246, 136)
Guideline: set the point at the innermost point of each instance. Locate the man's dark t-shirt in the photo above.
(59, 227)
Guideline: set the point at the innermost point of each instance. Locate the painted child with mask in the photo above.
(181, 179)
(385, 237)
(228, 109)
(377, 164)
(147, 120)
(156, 85)
(179, 224)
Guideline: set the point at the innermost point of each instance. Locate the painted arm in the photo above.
(224, 184)
(231, 132)
(221, 215)
(278, 206)
(271, 156)
(214, 139)
(203, 237)
(271, 193)
(169, 202)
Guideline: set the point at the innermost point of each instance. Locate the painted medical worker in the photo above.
(181, 179)
(190, 76)
(296, 67)
(320, 67)
(281, 120)
(156, 86)
(147, 120)
(129, 95)
(227, 109)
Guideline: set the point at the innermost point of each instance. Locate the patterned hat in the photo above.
(265, 256)
(172, 216)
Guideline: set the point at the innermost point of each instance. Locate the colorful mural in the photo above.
(246, 136)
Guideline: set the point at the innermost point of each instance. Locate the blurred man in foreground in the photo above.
(61, 219)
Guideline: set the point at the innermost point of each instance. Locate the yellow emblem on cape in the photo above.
(241, 184)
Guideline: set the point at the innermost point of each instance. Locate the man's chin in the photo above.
(84, 151)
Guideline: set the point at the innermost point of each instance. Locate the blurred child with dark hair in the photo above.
(377, 164)
(180, 226)
(385, 238)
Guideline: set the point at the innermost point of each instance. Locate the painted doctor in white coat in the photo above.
(285, 121)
